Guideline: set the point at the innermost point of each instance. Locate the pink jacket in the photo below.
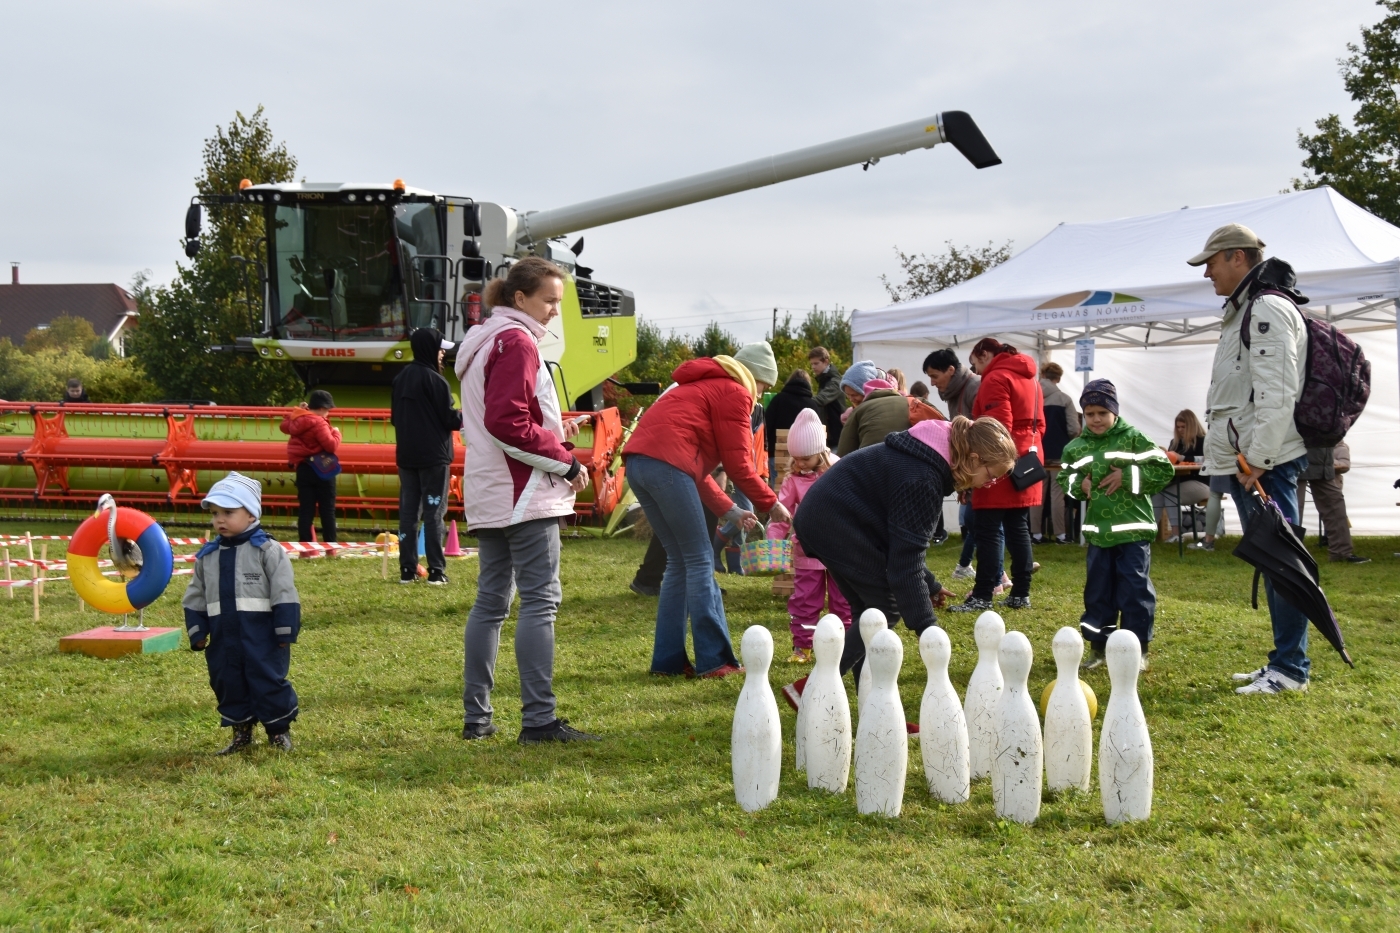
(791, 494)
(518, 465)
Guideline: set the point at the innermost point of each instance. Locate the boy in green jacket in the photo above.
(1117, 469)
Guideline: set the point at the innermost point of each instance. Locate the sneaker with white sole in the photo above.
(1274, 683)
(1015, 602)
(964, 572)
(971, 604)
(1250, 677)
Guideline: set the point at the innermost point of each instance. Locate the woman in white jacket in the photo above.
(518, 484)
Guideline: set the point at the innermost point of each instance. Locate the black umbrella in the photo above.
(1273, 547)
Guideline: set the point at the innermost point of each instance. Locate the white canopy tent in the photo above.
(1125, 283)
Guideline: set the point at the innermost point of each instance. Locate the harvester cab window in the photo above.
(419, 235)
(336, 274)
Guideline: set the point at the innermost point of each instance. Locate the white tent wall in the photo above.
(1154, 384)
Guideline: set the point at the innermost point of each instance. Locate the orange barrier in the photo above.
(216, 439)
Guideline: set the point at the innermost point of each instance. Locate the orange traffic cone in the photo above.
(454, 546)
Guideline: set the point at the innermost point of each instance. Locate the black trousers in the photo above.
(1118, 593)
(863, 595)
(1013, 527)
(312, 491)
(422, 494)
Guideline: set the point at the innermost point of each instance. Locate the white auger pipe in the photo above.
(953, 126)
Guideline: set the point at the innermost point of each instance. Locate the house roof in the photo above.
(24, 307)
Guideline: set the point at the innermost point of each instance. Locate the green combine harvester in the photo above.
(348, 271)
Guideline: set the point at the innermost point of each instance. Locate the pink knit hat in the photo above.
(874, 385)
(807, 436)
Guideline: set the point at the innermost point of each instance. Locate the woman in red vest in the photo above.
(1011, 394)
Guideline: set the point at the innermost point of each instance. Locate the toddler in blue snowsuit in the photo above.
(243, 611)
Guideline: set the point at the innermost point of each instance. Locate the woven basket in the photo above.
(764, 558)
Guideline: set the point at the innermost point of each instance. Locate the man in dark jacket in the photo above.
(829, 397)
(782, 411)
(424, 420)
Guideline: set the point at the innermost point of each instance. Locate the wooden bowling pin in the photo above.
(756, 740)
(1125, 749)
(882, 742)
(983, 692)
(1069, 733)
(827, 728)
(799, 732)
(942, 725)
(1019, 761)
(872, 622)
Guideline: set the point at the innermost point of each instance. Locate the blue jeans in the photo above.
(1290, 654)
(1118, 593)
(688, 588)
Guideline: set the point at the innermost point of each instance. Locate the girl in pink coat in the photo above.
(812, 585)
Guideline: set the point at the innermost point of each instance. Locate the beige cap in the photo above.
(1230, 236)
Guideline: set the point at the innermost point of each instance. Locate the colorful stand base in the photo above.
(106, 642)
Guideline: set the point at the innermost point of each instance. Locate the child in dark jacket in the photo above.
(242, 610)
(1117, 469)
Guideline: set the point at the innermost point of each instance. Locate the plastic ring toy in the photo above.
(158, 564)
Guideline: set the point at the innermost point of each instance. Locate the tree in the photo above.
(716, 341)
(925, 275)
(1361, 163)
(821, 328)
(205, 304)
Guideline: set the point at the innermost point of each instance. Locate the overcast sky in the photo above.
(1098, 109)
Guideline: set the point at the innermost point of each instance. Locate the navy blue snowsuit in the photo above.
(242, 609)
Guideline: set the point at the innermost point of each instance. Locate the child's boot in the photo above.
(242, 738)
(282, 741)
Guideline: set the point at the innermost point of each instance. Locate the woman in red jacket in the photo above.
(309, 433)
(1011, 394)
(701, 423)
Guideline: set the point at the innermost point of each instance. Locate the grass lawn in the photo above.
(1270, 814)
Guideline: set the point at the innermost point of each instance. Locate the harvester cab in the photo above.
(352, 269)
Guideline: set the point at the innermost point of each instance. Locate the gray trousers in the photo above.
(524, 556)
(1332, 514)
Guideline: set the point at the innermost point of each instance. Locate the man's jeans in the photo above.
(688, 589)
(1290, 654)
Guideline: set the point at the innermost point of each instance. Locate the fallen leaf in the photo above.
(332, 839)
(410, 890)
(742, 834)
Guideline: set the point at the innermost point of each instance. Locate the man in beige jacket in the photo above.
(1250, 412)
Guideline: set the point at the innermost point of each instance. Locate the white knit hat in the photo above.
(807, 436)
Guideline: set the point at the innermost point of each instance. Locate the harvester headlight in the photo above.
(381, 195)
(350, 197)
(264, 351)
(279, 351)
(276, 195)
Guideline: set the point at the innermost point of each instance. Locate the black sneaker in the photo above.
(1015, 602)
(408, 576)
(641, 589)
(282, 741)
(1353, 559)
(437, 578)
(478, 730)
(242, 738)
(557, 731)
(971, 604)
(940, 537)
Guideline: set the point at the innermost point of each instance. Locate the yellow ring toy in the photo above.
(119, 598)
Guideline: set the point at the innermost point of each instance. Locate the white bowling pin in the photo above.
(942, 725)
(827, 727)
(1069, 733)
(1125, 749)
(756, 741)
(882, 742)
(983, 692)
(872, 622)
(800, 731)
(1017, 765)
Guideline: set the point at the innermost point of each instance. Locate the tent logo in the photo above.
(1088, 304)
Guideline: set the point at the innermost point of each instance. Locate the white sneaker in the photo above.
(1250, 677)
(1172, 540)
(1273, 683)
(964, 572)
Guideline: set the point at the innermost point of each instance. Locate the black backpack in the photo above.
(1336, 374)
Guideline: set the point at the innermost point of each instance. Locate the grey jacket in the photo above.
(961, 393)
(261, 590)
(1249, 408)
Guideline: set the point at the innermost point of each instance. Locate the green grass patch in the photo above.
(1270, 814)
